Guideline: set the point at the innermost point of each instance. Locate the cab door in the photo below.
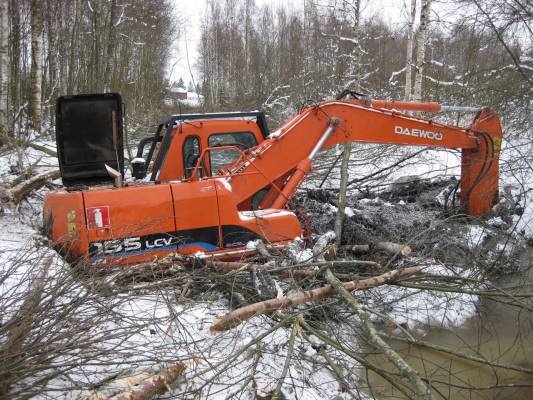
(197, 219)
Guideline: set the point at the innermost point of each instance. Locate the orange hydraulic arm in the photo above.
(279, 164)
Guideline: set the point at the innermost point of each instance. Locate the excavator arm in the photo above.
(276, 167)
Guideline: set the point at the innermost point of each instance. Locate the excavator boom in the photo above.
(282, 161)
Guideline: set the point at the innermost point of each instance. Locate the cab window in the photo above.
(191, 152)
(242, 140)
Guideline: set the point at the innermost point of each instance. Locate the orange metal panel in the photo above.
(172, 168)
(196, 211)
(271, 225)
(64, 214)
(136, 213)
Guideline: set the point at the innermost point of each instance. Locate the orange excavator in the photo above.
(208, 184)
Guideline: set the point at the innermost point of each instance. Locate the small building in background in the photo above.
(177, 96)
(176, 93)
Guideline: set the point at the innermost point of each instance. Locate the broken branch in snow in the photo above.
(459, 354)
(283, 272)
(388, 247)
(19, 327)
(239, 315)
(26, 173)
(277, 392)
(4, 139)
(21, 190)
(155, 385)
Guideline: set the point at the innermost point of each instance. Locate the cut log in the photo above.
(20, 191)
(393, 248)
(239, 315)
(388, 247)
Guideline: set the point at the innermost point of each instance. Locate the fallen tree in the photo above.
(24, 188)
(239, 315)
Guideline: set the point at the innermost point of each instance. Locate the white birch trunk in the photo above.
(348, 145)
(4, 65)
(36, 63)
(421, 47)
(409, 58)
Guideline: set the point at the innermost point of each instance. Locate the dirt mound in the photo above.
(413, 212)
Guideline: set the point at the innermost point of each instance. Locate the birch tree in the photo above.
(356, 7)
(421, 47)
(409, 57)
(36, 64)
(14, 59)
(4, 65)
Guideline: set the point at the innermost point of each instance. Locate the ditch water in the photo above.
(498, 332)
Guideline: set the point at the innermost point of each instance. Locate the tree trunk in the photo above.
(50, 77)
(36, 64)
(342, 192)
(23, 189)
(421, 47)
(409, 58)
(95, 58)
(4, 65)
(235, 317)
(348, 145)
(110, 47)
(73, 47)
(15, 41)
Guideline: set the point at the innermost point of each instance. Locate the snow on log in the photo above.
(234, 318)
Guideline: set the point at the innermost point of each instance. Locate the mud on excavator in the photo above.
(207, 184)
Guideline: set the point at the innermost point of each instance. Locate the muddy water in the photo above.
(498, 332)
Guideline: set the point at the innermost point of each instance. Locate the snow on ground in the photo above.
(29, 156)
(165, 331)
(412, 308)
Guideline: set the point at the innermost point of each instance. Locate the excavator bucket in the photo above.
(479, 166)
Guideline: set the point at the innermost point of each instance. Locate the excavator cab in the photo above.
(172, 153)
(107, 221)
(89, 136)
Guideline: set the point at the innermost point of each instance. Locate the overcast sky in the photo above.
(193, 11)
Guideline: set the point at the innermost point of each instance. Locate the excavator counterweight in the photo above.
(208, 184)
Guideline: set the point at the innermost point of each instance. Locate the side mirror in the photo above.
(138, 168)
